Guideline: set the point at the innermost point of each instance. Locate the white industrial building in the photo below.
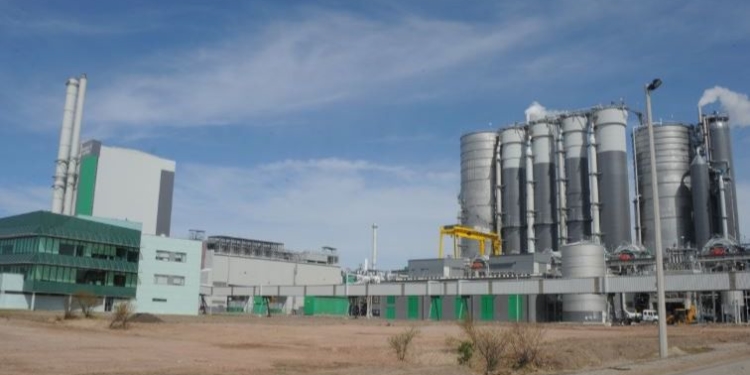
(126, 184)
(237, 262)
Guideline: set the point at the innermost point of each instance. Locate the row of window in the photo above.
(82, 276)
(29, 245)
(171, 256)
(169, 280)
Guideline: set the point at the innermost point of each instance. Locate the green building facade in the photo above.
(60, 255)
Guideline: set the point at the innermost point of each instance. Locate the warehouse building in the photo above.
(237, 262)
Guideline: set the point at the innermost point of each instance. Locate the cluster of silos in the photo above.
(551, 181)
(695, 179)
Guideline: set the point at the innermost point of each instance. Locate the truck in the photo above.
(650, 316)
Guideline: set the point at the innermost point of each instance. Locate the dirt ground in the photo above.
(41, 343)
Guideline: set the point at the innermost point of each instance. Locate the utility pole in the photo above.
(661, 305)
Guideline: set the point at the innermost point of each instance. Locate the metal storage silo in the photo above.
(721, 158)
(478, 184)
(700, 186)
(545, 190)
(582, 260)
(611, 153)
(672, 144)
(513, 187)
(577, 178)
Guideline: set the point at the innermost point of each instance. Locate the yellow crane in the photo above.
(459, 231)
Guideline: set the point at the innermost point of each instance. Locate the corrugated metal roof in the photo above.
(44, 223)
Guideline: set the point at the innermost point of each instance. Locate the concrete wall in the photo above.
(436, 267)
(168, 299)
(128, 184)
(236, 270)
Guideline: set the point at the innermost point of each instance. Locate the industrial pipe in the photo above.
(71, 179)
(530, 248)
(723, 206)
(594, 188)
(63, 153)
(637, 200)
(561, 189)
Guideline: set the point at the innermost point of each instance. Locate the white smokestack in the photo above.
(736, 105)
(537, 111)
(71, 178)
(63, 153)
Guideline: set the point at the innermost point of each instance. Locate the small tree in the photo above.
(400, 342)
(121, 316)
(86, 301)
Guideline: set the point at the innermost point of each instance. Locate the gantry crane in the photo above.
(459, 231)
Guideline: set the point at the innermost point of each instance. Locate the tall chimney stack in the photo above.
(71, 178)
(63, 153)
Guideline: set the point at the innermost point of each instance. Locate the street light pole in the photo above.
(661, 306)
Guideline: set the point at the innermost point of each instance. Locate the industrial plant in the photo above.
(556, 224)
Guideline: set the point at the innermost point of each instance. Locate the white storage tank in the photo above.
(582, 260)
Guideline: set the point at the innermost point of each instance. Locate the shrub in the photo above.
(86, 301)
(465, 352)
(526, 345)
(491, 343)
(400, 342)
(121, 315)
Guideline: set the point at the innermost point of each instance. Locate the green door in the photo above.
(462, 307)
(390, 307)
(436, 308)
(488, 307)
(412, 308)
(515, 308)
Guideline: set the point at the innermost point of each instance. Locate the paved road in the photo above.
(735, 368)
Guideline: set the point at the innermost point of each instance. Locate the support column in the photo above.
(33, 301)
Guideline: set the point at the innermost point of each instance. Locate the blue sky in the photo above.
(305, 122)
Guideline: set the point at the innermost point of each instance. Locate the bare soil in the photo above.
(43, 343)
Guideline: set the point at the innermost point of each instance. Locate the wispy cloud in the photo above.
(310, 203)
(25, 198)
(330, 57)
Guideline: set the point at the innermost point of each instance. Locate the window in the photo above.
(180, 257)
(67, 249)
(119, 280)
(169, 280)
(161, 279)
(158, 299)
(162, 255)
(6, 249)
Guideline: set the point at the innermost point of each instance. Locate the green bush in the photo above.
(465, 352)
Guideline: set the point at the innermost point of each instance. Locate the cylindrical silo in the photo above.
(700, 186)
(545, 190)
(672, 144)
(477, 185)
(611, 152)
(513, 186)
(582, 260)
(577, 178)
(722, 159)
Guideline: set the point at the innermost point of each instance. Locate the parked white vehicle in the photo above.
(650, 316)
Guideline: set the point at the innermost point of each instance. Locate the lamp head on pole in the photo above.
(654, 84)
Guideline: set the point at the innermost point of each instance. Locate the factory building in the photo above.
(239, 262)
(126, 184)
(169, 276)
(46, 257)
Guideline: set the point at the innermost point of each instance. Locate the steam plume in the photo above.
(737, 105)
(537, 111)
